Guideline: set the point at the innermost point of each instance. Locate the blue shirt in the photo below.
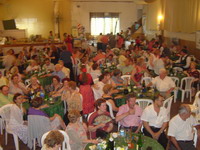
(60, 74)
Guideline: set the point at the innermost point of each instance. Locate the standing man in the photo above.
(181, 129)
(129, 115)
(66, 57)
(155, 121)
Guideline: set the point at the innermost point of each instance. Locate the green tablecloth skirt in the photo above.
(45, 81)
(56, 108)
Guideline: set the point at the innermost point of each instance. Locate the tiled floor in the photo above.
(10, 146)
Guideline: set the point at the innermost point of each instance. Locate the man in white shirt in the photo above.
(181, 129)
(155, 121)
(184, 61)
(163, 83)
(65, 70)
(48, 65)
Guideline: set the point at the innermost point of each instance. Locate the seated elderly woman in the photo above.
(35, 109)
(64, 89)
(73, 97)
(77, 131)
(53, 140)
(16, 86)
(193, 72)
(33, 66)
(116, 78)
(108, 91)
(34, 86)
(55, 86)
(16, 123)
(100, 122)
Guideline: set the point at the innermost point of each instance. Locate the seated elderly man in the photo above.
(65, 70)
(129, 115)
(5, 97)
(155, 120)
(128, 68)
(58, 72)
(164, 84)
(181, 129)
(48, 65)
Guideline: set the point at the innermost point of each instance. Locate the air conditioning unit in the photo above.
(144, 1)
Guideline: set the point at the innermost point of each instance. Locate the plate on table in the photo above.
(51, 102)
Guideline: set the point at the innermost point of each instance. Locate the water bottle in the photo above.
(122, 132)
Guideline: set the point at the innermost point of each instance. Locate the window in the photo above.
(104, 23)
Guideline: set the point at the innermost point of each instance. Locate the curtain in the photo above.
(181, 15)
(104, 23)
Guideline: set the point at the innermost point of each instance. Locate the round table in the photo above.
(147, 142)
(120, 98)
(56, 108)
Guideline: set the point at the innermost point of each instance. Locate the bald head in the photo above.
(58, 67)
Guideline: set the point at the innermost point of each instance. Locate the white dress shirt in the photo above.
(180, 129)
(163, 85)
(156, 120)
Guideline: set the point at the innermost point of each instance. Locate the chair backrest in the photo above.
(167, 104)
(27, 82)
(176, 81)
(146, 80)
(126, 78)
(143, 103)
(197, 101)
(88, 118)
(186, 83)
(65, 144)
(176, 69)
(37, 126)
(5, 113)
(110, 109)
(96, 80)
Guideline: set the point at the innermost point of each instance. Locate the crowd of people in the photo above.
(79, 79)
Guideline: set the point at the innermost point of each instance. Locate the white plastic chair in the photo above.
(146, 80)
(175, 91)
(167, 104)
(5, 115)
(65, 144)
(176, 69)
(143, 103)
(126, 78)
(196, 102)
(195, 137)
(88, 118)
(186, 87)
(110, 109)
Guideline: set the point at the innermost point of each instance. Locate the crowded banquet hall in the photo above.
(100, 75)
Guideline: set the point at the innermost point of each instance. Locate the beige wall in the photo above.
(37, 16)
(81, 12)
